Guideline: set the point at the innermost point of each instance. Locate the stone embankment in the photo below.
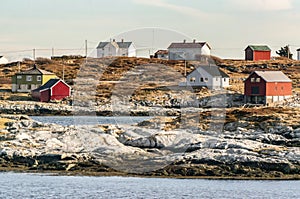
(145, 149)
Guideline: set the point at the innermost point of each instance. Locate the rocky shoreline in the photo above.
(265, 152)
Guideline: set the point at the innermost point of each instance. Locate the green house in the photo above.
(31, 79)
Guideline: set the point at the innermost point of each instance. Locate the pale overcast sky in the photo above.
(227, 25)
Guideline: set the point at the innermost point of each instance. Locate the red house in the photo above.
(256, 53)
(267, 87)
(54, 89)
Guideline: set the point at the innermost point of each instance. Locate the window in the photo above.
(224, 79)
(255, 90)
(206, 79)
(252, 79)
(192, 79)
(201, 79)
(19, 77)
(39, 78)
(29, 86)
(19, 86)
(217, 79)
(281, 87)
(29, 78)
(258, 79)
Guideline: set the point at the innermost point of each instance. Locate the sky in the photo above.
(227, 25)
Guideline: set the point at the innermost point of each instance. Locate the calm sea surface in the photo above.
(19, 185)
(88, 120)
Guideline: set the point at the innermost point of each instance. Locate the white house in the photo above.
(189, 50)
(298, 54)
(113, 48)
(3, 60)
(209, 76)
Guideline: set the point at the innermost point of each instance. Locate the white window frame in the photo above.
(39, 78)
(29, 78)
(19, 76)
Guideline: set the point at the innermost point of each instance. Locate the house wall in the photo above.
(3, 60)
(248, 86)
(298, 55)
(45, 95)
(60, 91)
(261, 55)
(205, 50)
(279, 89)
(184, 53)
(46, 78)
(248, 54)
(108, 50)
(131, 51)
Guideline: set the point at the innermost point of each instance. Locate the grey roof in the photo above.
(259, 48)
(188, 45)
(35, 71)
(117, 44)
(273, 76)
(213, 70)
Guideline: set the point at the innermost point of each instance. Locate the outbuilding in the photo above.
(257, 52)
(267, 87)
(54, 89)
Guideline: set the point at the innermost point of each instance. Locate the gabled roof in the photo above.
(213, 70)
(272, 76)
(259, 48)
(35, 71)
(188, 45)
(49, 84)
(116, 44)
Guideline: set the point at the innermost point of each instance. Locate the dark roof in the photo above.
(188, 45)
(162, 52)
(34, 71)
(298, 49)
(1, 56)
(273, 76)
(47, 85)
(213, 70)
(259, 47)
(119, 44)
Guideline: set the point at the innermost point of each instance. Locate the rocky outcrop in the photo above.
(237, 152)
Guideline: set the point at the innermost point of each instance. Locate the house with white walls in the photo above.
(113, 48)
(3, 60)
(209, 76)
(191, 51)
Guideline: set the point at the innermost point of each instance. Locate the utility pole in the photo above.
(63, 75)
(86, 49)
(288, 49)
(52, 52)
(33, 54)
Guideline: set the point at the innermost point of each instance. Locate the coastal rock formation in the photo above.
(266, 151)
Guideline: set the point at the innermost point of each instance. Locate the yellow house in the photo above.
(31, 79)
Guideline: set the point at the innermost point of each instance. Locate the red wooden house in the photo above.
(257, 52)
(267, 87)
(54, 89)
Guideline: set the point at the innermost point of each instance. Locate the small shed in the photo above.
(267, 87)
(257, 52)
(162, 54)
(54, 89)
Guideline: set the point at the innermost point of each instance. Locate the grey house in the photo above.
(113, 48)
(209, 76)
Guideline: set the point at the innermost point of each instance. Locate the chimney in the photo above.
(184, 41)
(114, 40)
(122, 40)
(194, 41)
